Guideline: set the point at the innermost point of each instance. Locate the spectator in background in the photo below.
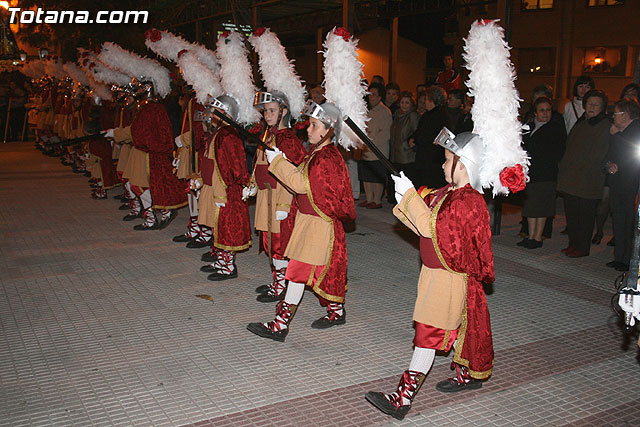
(402, 155)
(421, 103)
(371, 171)
(455, 111)
(545, 145)
(540, 91)
(449, 78)
(378, 79)
(623, 165)
(316, 93)
(546, 91)
(631, 92)
(391, 97)
(18, 100)
(466, 121)
(430, 157)
(574, 109)
(580, 175)
(420, 89)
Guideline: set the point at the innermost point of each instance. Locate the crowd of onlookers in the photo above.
(588, 154)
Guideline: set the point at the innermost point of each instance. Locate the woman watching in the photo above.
(545, 145)
(405, 122)
(580, 177)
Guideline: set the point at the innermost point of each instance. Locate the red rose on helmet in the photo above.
(181, 52)
(513, 178)
(155, 35)
(260, 31)
(97, 50)
(342, 32)
(225, 34)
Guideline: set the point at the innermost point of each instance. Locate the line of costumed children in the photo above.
(302, 197)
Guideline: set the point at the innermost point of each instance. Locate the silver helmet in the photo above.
(327, 113)
(468, 146)
(228, 104)
(263, 97)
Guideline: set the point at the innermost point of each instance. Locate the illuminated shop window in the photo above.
(605, 60)
(540, 61)
(536, 4)
(605, 2)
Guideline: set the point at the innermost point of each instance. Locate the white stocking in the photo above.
(145, 198)
(193, 204)
(294, 293)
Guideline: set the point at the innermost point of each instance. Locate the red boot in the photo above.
(398, 403)
(278, 328)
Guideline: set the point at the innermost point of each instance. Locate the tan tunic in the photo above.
(137, 168)
(280, 200)
(208, 211)
(122, 138)
(312, 236)
(441, 294)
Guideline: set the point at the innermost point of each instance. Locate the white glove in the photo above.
(281, 215)
(108, 133)
(178, 141)
(629, 301)
(402, 184)
(176, 162)
(273, 153)
(220, 205)
(249, 191)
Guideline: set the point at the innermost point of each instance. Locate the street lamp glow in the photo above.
(4, 4)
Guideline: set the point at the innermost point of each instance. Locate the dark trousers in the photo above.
(581, 218)
(623, 209)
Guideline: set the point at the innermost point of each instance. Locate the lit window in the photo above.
(604, 60)
(605, 2)
(537, 4)
(539, 61)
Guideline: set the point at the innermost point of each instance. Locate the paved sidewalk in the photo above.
(100, 325)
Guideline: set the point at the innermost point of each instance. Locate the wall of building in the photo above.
(374, 54)
(570, 27)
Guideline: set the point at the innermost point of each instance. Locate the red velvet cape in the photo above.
(233, 229)
(463, 238)
(290, 145)
(331, 194)
(152, 133)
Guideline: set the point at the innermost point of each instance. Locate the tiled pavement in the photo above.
(100, 325)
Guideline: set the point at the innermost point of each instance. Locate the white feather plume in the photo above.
(100, 89)
(53, 67)
(33, 69)
(343, 83)
(136, 66)
(236, 75)
(169, 46)
(277, 70)
(76, 73)
(204, 81)
(495, 109)
(110, 76)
